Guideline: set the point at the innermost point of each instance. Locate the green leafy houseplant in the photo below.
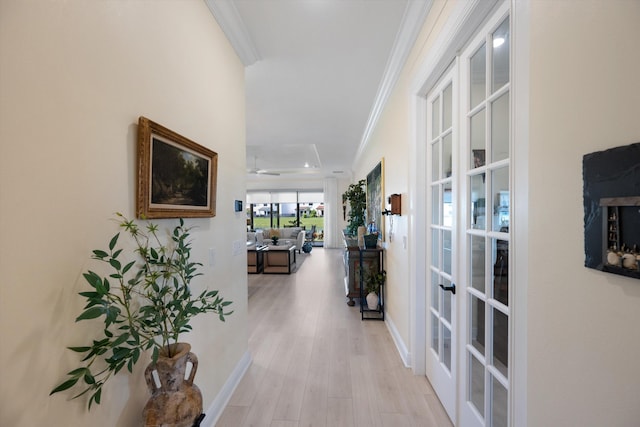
(145, 303)
(373, 280)
(357, 198)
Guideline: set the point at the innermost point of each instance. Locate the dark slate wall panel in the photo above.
(610, 173)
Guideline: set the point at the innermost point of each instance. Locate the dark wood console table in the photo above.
(371, 259)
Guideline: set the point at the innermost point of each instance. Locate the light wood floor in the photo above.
(315, 363)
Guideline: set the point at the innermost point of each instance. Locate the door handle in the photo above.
(451, 288)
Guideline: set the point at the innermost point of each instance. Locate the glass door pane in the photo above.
(478, 76)
(487, 118)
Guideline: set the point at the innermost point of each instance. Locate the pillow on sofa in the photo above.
(292, 232)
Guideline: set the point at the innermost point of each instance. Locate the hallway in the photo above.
(315, 363)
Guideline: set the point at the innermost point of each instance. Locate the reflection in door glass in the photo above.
(435, 291)
(446, 347)
(478, 76)
(500, 341)
(435, 118)
(447, 160)
(476, 384)
(477, 323)
(501, 271)
(435, 160)
(435, 248)
(447, 109)
(499, 405)
(447, 205)
(478, 262)
(500, 128)
(478, 201)
(500, 193)
(446, 251)
(446, 300)
(435, 205)
(478, 136)
(500, 56)
(435, 327)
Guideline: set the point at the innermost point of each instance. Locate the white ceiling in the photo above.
(317, 72)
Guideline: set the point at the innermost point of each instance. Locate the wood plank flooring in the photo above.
(316, 364)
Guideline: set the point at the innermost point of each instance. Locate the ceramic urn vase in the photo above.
(175, 400)
(372, 301)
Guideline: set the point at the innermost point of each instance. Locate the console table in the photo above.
(279, 259)
(371, 260)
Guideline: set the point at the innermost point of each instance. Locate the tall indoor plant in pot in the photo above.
(357, 198)
(145, 303)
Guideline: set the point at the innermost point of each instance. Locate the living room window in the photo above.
(279, 209)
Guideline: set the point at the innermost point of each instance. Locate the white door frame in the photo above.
(455, 33)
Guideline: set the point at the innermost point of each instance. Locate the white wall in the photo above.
(583, 337)
(391, 140)
(74, 77)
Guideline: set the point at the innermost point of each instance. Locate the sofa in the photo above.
(293, 235)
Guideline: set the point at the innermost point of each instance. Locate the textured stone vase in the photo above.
(177, 401)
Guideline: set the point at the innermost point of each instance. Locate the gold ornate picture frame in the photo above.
(177, 177)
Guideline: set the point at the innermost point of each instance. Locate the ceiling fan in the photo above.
(256, 171)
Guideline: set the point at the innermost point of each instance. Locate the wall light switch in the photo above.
(212, 257)
(238, 247)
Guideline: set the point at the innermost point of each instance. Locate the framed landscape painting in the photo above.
(176, 176)
(375, 198)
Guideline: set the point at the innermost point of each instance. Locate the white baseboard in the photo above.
(405, 355)
(220, 402)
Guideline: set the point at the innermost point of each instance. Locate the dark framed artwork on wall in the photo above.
(375, 198)
(177, 177)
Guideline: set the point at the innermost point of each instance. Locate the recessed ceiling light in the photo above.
(498, 41)
(306, 164)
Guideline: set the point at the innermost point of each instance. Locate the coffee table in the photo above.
(279, 259)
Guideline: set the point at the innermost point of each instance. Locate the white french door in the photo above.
(469, 192)
(442, 256)
(486, 185)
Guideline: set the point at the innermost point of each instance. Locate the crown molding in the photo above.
(412, 21)
(228, 17)
(456, 32)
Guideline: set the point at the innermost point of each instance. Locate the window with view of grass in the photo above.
(287, 209)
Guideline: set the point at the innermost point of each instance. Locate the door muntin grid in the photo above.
(487, 231)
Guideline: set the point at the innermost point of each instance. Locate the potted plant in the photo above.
(357, 198)
(145, 303)
(373, 280)
(274, 240)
